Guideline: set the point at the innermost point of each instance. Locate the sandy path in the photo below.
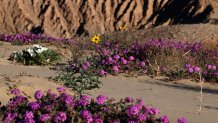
(27, 78)
(174, 100)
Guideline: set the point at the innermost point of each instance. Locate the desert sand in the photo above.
(175, 99)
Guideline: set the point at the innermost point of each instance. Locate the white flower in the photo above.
(36, 46)
(48, 60)
(31, 52)
(40, 49)
(15, 55)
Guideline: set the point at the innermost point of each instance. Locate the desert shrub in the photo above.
(36, 55)
(62, 107)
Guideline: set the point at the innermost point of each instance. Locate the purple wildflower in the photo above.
(197, 69)
(213, 67)
(182, 120)
(116, 57)
(116, 69)
(15, 91)
(29, 121)
(86, 115)
(105, 52)
(101, 99)
(142, 64)
(10, 117)
(124, 61)
(52, 95)
(128, 99)
(131, 58)
(60, 117)
(102, 72)
(216, 74)
(84, 100)
(61, 89)
(34, 106)
(142, 117)
(190, 70)
(98, 120)
(153, 111)
(164, 119)
(29, 115)
(38, 95)
(133, 110)
(87, 63)
(110, 60)
(44, 117)
(84, 67)
(105, 109)
(209, 66)
(68, 99)
(188, 66)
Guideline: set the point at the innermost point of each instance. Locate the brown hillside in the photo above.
(68, 18)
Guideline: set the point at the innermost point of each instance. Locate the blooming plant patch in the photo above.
(64, 108)
(29, 38)
(155, 57)
(36, 55)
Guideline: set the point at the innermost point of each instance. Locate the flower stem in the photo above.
(201, 93)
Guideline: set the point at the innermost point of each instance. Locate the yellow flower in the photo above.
(125, 27)
(96, 39)
(121, 28)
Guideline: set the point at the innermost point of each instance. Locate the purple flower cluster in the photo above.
(192, 69)
(60, 117)
(101, 99)
(182, 120)
(44, 117)
(34, 106)
(209, 72)
(30, 38)
(83, 101)
(144, 58)
(67, 108)
(164, 119)
(61, 89)
(86, 115)
(38, 95)
(15, 91)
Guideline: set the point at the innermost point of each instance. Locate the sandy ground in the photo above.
(173, 99)
(26, 78)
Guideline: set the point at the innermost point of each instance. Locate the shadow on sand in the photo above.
(183, 87)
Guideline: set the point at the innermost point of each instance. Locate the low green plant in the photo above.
(79, 82)
(36, 55)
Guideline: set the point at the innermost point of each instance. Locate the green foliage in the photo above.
(36, 55)
(79, 82)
